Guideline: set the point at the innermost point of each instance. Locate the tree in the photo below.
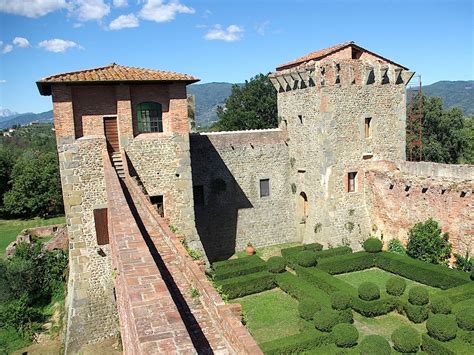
(426, 242)
(251, 106)
(467, 156)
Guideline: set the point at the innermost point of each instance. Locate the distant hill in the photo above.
(454, 94)
(25, 118)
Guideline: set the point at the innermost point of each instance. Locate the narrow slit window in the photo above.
(159, 204)
(198, 193)
(300, 117)
(351, 186)
(264, 187)
(101, 226)
(368, 128)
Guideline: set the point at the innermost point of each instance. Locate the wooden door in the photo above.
(111, 134)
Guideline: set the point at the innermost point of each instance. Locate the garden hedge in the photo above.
(345, 316)
(301, 289)
(460, 293)
(375, 308)
(368, 291)
(418, 295)
(442, 327)
(417, 270)
(248, 284)
(441, 305)
(415, 313)
(328, 253)
(375, 345)
(231, 268)
(345, 335)
(306, 258)
(308, 307)
(433, 346)
(465, 318)
(276, 264)
(340, 300)
(347, 263)
(325, 319)
(290, 254)
(406, 339)
(373, 245)
(324, 281)
(395, 286)
(295, 344)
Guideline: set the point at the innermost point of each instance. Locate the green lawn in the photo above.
(10, 228)
(271, 315)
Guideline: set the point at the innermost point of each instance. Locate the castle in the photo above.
(133, 176)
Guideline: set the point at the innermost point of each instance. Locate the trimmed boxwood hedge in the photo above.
(306, 258)
(417, 270)
(228, 264)
(375, 308)
(347, 263)
(308, 307)
(433, 346)
(276, 264)
(368, 291)
(395, 286)
(340, 300)
(325, 319)
(345, 316)
(248, 284)
(301, 289)
(418, 295)
(417, 314)
(328, 253)
(441, 305)
(345, 335)
(465, 318)
(234, 268)
(442, 327)
(295, 344)
(324, 281)
(373, 245)
(460, 293)
(290, 254)
(375, 345)
(406, 339)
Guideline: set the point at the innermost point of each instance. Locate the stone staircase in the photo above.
(118, 164)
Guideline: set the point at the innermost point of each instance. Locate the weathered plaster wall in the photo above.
(400, 194)
(229, 166)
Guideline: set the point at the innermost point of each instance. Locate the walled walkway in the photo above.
(165, 302)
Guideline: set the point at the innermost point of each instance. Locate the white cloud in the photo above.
(261, 28)
(159, 11)
(31, 8)
(229, 34)
(58, 45)
(124, 21)
(120, 3)
(87, 10)
(2, 81)
(7, 49)
(21, 42)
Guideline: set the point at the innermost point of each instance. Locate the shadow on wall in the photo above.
(217, 199)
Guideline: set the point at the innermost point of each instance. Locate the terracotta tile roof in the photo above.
(320, 54)
(112, 73)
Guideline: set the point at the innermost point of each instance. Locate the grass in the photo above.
(10, 228)
(271, 315)
(11, 340)
(267, 252)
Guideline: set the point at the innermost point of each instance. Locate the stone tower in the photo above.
(343, 108)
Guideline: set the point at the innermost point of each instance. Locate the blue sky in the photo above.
(222, 40)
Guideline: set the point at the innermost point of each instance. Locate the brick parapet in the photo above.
(222, 314)
(241, 138)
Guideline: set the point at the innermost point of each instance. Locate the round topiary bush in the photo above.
(395, 286)
(325, 319)
(345, 335)
(417, 314)
(345, 316)
(418, 295)
(340, 300)
(375, 344)
(307, 308)
(306, 258)
(373, 245)
(276, 264)
(368, 291)
(406, 339)
(441, 305)
(442, 327)
(465, 318)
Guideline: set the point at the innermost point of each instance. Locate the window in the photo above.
(368, 132)
(300, 117)
(351, 186)
(198, 193)
(149, 117)
(159, 204)
(264, 187)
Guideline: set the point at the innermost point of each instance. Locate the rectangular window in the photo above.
(101, 226)
(264, 187)
(351, 185)
(159, 204)
(198, 193)
(149, 116)
(368, 132)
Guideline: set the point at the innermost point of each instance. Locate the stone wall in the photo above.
(229, 166)
(400, 194)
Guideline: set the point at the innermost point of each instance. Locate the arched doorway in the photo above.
(302, 215)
